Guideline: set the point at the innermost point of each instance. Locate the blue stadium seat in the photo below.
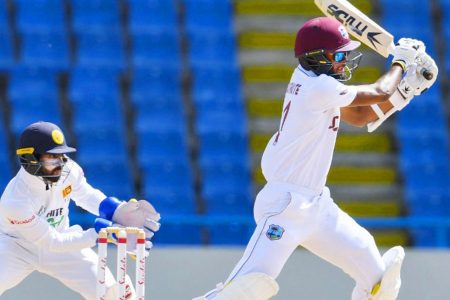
(212, 48)
(226, 187)
(5, 161)
(85, 82)
(431, 116)
(222, 146)
(6, 50)
(112, 178)
(159, 146)
(221, 122)
(172, 200)
(101, 49)
(156, 48)
(45, 50)
(95, 15)
(160, 116)
(178, 234)
(209, 82)
(4, 14)
(423, 237)
(230, 234)
(40, 16)
(165, 83)
(429, 179)
(148, 15)
(102, 144)
(208, 15)
(33, 96)
(428, 203)
(222, 104)
(27, 83)
(167, 175)
(38, 109)
(98, 113)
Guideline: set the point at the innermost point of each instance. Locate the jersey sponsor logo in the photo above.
(21, 222)
(275, 232)
(333, 125)
(66, 191)
(54, 222)
(55, 217)
(293, 88)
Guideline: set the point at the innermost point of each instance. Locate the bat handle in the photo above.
(426, 74)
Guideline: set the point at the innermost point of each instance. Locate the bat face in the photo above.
(358, 24)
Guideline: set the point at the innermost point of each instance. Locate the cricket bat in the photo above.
(362, 27)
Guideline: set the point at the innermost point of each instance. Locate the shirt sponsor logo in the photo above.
(275, 232)
(66, 191)
(55, 217)
(21, 222)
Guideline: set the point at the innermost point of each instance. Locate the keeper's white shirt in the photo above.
(301, 151)
(32, 213)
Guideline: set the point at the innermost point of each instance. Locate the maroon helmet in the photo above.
(319, 36)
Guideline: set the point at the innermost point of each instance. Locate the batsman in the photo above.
(34, 223)
(295, 207)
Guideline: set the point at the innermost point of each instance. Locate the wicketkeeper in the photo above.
(34, 223)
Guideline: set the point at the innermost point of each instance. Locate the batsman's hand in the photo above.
(406, 51)
(139, 214)
(414, 82)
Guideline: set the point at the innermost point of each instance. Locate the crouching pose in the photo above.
(34, 224)
(295, 207)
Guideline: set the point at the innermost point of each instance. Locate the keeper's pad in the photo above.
(130, 293)
(389, 286)
(252, 286)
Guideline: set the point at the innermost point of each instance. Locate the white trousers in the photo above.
(288, 216)
(77, 270)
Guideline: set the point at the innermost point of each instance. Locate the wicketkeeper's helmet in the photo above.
(37, 139)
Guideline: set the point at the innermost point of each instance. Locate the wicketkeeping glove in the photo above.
(140, 214)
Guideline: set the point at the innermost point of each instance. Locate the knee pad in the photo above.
(113, 292)
(389, 286)
(252, 286)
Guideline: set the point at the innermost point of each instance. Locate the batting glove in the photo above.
(405, 52)
(414, 82)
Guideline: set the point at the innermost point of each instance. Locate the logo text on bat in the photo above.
(357, 26)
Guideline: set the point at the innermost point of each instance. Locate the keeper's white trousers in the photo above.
(77, 270)
(316, 223)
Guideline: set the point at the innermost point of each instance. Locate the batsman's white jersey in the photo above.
(35, 232)
(295, 207)
(301, 151)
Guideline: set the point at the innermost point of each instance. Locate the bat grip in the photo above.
(426, 74)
